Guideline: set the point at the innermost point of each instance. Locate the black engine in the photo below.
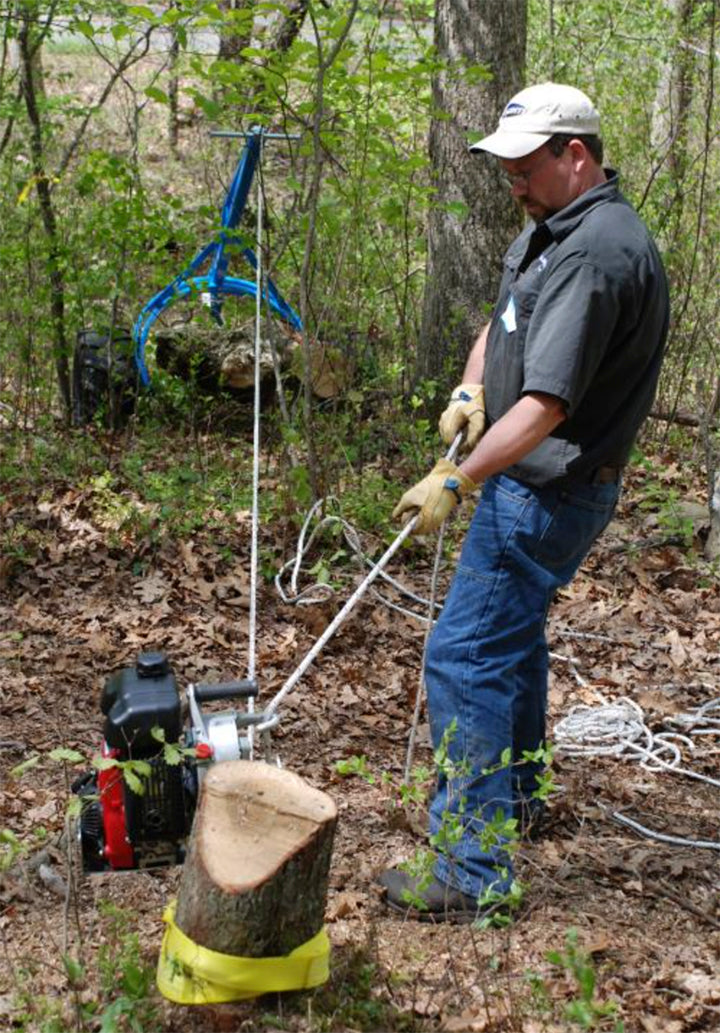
(138, 814)
(139, 802)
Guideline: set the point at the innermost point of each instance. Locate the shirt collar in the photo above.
(567, 219)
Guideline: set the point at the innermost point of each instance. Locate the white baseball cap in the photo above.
(537, 113)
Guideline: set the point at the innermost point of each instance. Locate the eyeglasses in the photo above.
(511, 178)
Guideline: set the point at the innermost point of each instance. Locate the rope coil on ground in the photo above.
(619, 729)
(289, 590)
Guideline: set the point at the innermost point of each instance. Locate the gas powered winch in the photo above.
(123, 828)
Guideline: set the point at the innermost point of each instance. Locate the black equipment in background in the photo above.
(105, 377)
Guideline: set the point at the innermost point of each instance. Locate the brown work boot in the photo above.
(441, 903)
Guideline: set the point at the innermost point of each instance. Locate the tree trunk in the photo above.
(673, 98)
(32, 87)
(174, 89)
(254, 883)
(237, 31)
(466, 242)
(289, 26)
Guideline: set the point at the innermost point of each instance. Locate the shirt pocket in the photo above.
(525, 291)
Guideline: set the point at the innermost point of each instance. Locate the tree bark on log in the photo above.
(222, 357)
(216, 357)
(254, 883)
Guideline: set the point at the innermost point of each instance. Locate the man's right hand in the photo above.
(434, 498)
(466, 410)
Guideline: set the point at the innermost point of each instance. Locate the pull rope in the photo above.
(422, 685)
(319, 592)
(342, 615)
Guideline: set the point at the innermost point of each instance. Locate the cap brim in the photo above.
(511, 145)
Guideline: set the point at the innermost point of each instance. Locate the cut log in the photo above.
(254, 883)
(219, 357)
(224, 357)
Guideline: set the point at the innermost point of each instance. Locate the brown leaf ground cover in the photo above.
(641, 620)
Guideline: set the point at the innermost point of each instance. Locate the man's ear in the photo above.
(579, 153)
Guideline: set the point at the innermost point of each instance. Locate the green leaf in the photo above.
(85, 29)
(75, 806)
(140, 11)
(457, 208)
(135, 784)
(134, 980)
(112, 1015)
(75, 971)
(103, 763)
(156, 94)
(26, 765)
(172, 754)
(62, 753)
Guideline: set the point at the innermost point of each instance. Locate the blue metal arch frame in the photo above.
(216, 282)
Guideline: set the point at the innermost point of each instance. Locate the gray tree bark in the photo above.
(465, 249)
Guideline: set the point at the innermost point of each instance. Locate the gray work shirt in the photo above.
(582, 314)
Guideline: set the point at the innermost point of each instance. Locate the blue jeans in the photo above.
(487, 661)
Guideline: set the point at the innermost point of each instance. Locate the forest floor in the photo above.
(641, 620)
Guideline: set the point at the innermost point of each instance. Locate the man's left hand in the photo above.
(434, 497)
(466, 411)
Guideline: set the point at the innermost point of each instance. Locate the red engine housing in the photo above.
(118, 850)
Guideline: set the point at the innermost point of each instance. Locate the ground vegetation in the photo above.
(115, 540)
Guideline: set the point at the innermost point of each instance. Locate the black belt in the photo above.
(604, 475)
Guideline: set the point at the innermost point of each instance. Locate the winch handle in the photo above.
(245, 688)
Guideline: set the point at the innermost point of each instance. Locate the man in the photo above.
(568, 368)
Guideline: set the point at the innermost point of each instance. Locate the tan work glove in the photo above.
(466, 409)
(435, 497)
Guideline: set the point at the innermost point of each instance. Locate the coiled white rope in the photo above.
(318, 592)
(619, 730)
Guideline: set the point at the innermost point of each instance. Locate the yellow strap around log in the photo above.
(190, 974)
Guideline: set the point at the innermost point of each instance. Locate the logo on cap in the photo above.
(513, 108)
